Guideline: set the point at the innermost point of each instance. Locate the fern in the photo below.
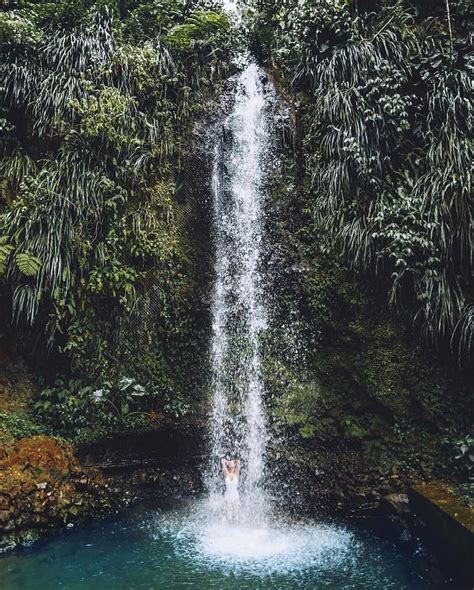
(27, 264)
(198, 29)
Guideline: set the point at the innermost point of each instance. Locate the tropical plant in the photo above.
(386, 121)
(83, 411)
(465, 453)
(14, 425)
(96, 113)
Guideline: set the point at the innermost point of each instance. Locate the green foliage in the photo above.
(466, 494)
(83, 412)
(385, 120)
(18, 28)
(5, 251)
(354, 376)
(27, 264)
(115, 279)
(16, 167)
(152, 19)
(200, 28)
(465, 454)
(13, 426)
(66, 406)
(98, 103)
(294, 400)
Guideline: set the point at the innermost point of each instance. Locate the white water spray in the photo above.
(230, 6)
(241, 154)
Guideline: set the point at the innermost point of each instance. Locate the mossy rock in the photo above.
(42, 485)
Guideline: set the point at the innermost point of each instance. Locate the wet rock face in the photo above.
(333, 480)
(42, 486)
(160, 483)
(160, 465)
(446, 526)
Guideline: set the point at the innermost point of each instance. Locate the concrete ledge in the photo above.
(449, 527)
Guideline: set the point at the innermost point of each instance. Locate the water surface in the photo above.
(182, 548)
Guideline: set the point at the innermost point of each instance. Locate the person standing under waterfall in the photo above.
(231, 471)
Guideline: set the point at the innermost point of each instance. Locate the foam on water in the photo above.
(276, 548)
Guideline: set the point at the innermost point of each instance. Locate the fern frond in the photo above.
(27, 264)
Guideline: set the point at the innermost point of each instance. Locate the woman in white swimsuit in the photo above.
(231, 471)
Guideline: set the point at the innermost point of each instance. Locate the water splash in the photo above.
(180, 548)
(281, 547)
(239, 314)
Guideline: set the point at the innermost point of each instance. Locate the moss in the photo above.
(42, 485)
(41, 453)
(365, 382)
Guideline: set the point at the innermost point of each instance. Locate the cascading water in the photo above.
(241, 156)
(230, 6)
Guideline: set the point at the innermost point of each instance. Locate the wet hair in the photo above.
(228, 458)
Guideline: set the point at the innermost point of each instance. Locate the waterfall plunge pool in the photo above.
(182, 548)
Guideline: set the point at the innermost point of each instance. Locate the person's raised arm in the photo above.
(237, 466)
(224, 466)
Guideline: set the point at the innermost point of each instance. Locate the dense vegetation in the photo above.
(385, 114)
(96, 105)
(369, 358)
(101, 283)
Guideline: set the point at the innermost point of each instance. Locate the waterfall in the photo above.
(230, 6)
(239, 312)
